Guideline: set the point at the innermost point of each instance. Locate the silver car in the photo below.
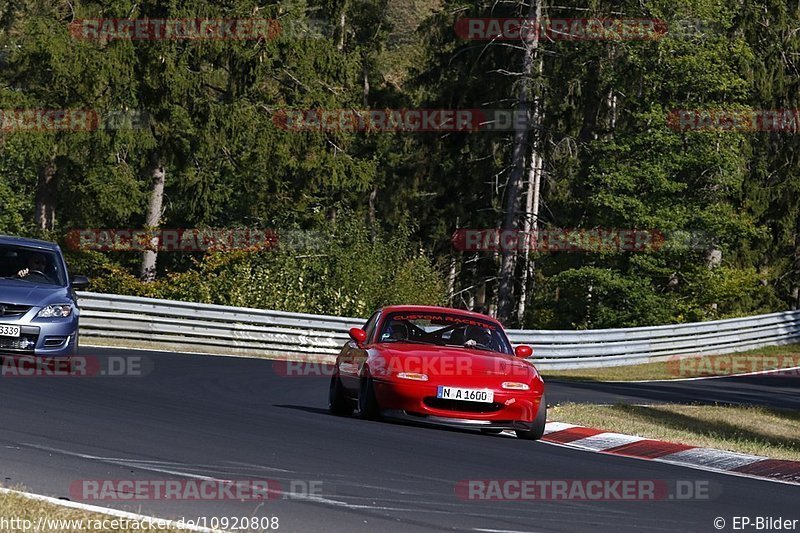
(38, 307)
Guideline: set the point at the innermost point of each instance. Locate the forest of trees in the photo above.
(196, 144)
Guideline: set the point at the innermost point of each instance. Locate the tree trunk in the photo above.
(795, 292)
(373, 195)
(472, 267)
(505, 296)
(531, 228)
(340, 30)
(153, 217)
(713, 260)
(591, 107)
(45, 215)
(451, 276)
(365, 89)
(479, 305)
(611, 97)
(451, 280)
(371, 213)
(494, 298)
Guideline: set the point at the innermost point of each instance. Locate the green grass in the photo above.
(752, 430)
(710, 365)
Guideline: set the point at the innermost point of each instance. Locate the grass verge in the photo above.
(20, 514)
(752, 430)
(770, 358)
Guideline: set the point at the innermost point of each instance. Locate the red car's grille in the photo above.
(461, 406)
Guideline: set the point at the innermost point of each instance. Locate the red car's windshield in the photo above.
(444, 329)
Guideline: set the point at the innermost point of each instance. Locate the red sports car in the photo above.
(439, 365)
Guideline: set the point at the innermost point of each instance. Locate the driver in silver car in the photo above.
(36, 263)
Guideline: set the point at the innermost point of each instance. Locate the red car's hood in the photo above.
(449, 361)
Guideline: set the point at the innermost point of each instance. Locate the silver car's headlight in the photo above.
(55, 311)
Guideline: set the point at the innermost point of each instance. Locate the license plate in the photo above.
(9, 331)
(467, 395)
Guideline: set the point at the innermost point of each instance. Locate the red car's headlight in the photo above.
(415, 376)
(515, 385)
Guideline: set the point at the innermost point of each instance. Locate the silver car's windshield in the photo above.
(31, 265)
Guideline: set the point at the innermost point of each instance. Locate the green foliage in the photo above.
(611, 159)
(590, 297)
(735, 292)
(346, 274)
(12, 208)
(595, 297)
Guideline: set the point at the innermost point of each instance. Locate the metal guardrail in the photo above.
(217, 328)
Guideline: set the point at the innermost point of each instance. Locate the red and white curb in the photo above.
(741, 464)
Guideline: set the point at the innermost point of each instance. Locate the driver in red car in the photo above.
(478, 336)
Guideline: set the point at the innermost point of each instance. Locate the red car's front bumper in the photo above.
(412, 399)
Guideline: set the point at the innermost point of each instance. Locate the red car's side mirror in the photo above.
(523, 351)
(358, 335)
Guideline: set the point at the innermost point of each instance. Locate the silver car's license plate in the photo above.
(9, 331)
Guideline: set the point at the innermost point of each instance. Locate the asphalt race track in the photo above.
(769, 390)
(199, 417)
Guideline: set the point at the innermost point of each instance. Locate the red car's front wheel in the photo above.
(367, 403)
(537, 429)
(338, 402)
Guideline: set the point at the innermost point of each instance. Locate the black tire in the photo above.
(338, 403)
(367, 404)
(537, 429)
